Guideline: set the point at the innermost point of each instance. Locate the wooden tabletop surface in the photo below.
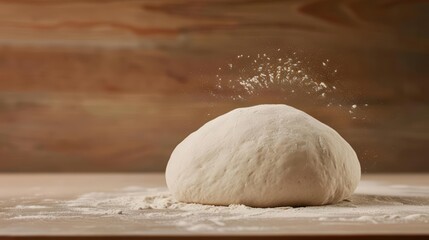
(107, 205)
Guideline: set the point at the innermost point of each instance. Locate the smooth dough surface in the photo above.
(263, 156)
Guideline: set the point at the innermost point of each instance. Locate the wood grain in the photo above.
(114, 85)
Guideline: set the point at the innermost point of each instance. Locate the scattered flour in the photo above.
(29, 207)
(33, 217)
(286, 73)
(393, 207)
(413, 217)
(371, 204)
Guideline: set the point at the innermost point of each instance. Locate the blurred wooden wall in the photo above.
(114, 85)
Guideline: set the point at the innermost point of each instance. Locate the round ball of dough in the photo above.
(263, 156)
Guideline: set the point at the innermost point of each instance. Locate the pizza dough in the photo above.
(263, 156)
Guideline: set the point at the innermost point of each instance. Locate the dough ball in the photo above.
(263, 156)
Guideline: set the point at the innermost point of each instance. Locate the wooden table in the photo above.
(108, 205)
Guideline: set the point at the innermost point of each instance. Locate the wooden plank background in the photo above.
(114, 85)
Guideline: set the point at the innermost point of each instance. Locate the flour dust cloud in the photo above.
(288, 76)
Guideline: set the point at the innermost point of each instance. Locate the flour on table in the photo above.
(371, 204)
